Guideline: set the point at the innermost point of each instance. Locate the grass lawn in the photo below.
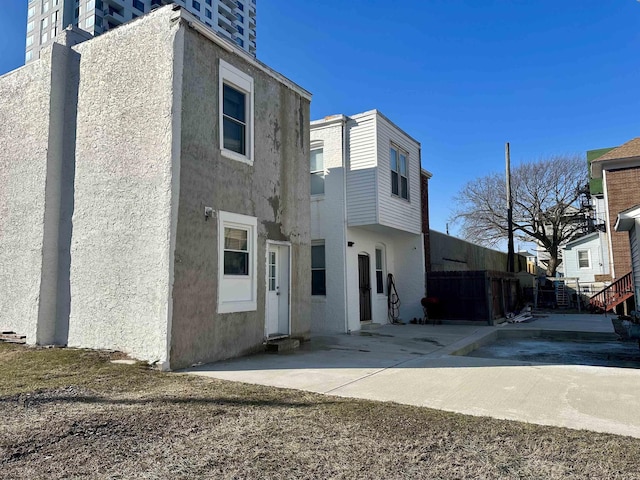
(73, 414)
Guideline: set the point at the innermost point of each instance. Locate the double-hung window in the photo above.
(318, 270)
(399, 176)
(237, 264)
(236, 114)
(236, 251)
(317, 171)
(584, 260)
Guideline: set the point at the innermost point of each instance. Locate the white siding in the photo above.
(597, 247)
(361, 175)
(394, 211)
(634, 239)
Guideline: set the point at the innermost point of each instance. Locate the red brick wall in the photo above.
(623, 192)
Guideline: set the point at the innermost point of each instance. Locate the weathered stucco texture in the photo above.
(275, 189)
(24, 134)
(121, 247)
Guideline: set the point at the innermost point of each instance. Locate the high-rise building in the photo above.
(235, 20)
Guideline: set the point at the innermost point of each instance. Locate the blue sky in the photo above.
(462, 77)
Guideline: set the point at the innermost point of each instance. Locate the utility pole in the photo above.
(510, 253)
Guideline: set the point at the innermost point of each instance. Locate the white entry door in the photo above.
(277, 315)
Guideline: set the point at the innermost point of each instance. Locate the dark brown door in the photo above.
(364, 281)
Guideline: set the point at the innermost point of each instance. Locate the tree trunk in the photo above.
(552, 266)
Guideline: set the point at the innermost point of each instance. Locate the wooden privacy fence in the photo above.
(478, 296)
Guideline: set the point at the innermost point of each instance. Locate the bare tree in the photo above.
(546, 205)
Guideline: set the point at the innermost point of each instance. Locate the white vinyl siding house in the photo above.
(586, 257)
(370, 200)
(361, 172)
(393, 210)
(368, 231)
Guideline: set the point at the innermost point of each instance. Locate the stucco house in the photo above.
(154, 201)
(366, 221)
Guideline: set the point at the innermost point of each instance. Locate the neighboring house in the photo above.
(158, 204)
(366, 221)
(586, 259)
(619, 170)
(629, 221)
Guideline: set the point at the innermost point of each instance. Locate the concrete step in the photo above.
(367, 326)
(282, 345)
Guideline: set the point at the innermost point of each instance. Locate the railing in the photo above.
(613, 295)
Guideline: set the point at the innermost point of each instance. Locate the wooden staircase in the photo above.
(562, 297)
(610, 297)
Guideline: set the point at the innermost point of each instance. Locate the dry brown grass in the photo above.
(73, 414)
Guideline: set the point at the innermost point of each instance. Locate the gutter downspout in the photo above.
(344, 219)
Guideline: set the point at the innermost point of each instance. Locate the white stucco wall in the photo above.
(403, 258)
(24, 133)
(120, 267)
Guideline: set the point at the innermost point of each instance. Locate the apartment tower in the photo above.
(234, 20)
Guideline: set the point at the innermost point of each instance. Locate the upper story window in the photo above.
(240, 5)
(236, 115)
(196, 5)
(317, 171)
(139, 5)
(584, 259)
(399, 176)
(240, 18)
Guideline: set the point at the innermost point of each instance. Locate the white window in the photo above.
(318, 269)
(399, 176)
(32, 12)
(28, 56)
(584, 259)
(29, 26)
(45, 7)
(43, 38)
(236, 113)
(29, 40)
(380, 270)
(317, 172)
(237, 266)
(89, 21)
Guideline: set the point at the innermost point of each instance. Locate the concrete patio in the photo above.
(413, 364)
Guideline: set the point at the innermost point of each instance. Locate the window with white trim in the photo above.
(399, 176)
(380, 270)
(317, 171)
(318, 269)
(237, 263)
(584, 259)
(236, 113)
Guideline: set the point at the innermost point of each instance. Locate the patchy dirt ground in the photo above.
(73, 414)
